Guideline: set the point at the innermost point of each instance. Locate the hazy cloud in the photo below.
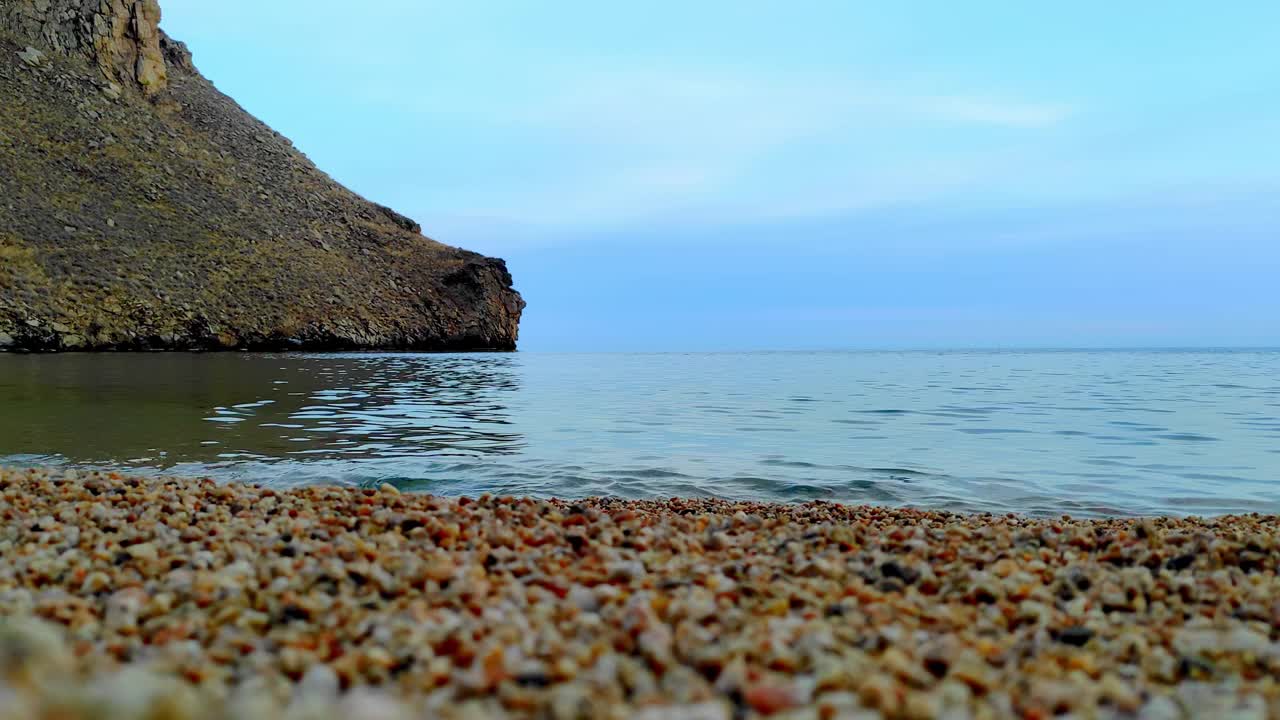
(652, 141)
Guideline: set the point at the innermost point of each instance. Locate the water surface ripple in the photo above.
(1090, 433)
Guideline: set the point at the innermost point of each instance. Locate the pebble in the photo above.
(189, 600)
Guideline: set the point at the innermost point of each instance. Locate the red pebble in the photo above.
(769, 699)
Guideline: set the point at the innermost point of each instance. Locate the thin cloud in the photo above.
(998, 113)
(646, 142)
(632, 144)
(728, 104)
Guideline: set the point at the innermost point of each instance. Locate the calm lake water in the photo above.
(1036, 432)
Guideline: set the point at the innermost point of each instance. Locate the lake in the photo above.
(1086, 433)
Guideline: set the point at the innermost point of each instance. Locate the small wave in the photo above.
(788, 463)
(1211, 477)
(992, 431)
(901, 471)
(647, 473)
(1188, 437)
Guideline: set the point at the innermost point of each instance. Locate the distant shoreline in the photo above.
(357, 599)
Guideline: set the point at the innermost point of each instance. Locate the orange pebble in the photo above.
(769, 699)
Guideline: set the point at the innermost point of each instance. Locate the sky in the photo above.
(811, 174)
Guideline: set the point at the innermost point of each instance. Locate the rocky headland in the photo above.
(140, 208)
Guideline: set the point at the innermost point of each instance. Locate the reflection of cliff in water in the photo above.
(166, 409)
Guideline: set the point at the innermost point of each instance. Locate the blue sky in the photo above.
(809, 174)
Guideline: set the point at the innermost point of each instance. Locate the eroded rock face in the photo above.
(140, 208)
(122, 37)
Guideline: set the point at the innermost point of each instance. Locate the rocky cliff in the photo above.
(140, 208)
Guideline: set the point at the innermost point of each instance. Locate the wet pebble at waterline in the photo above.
(128, 597)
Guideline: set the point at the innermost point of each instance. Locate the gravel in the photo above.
(125, 597)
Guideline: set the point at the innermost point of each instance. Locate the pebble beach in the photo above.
(124, 597)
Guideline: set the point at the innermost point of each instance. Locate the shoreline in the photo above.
(242, 601)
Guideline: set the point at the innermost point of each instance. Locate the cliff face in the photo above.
(141, 208)
(121, 38)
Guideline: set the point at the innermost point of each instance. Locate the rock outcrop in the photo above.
(122, 38)
(140, 208)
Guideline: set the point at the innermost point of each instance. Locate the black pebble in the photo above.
(295, 612)
(538, 680)
(891, 569)
(936, 666)
(1076, 635)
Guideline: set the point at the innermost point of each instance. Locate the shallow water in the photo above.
(1089, 433)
